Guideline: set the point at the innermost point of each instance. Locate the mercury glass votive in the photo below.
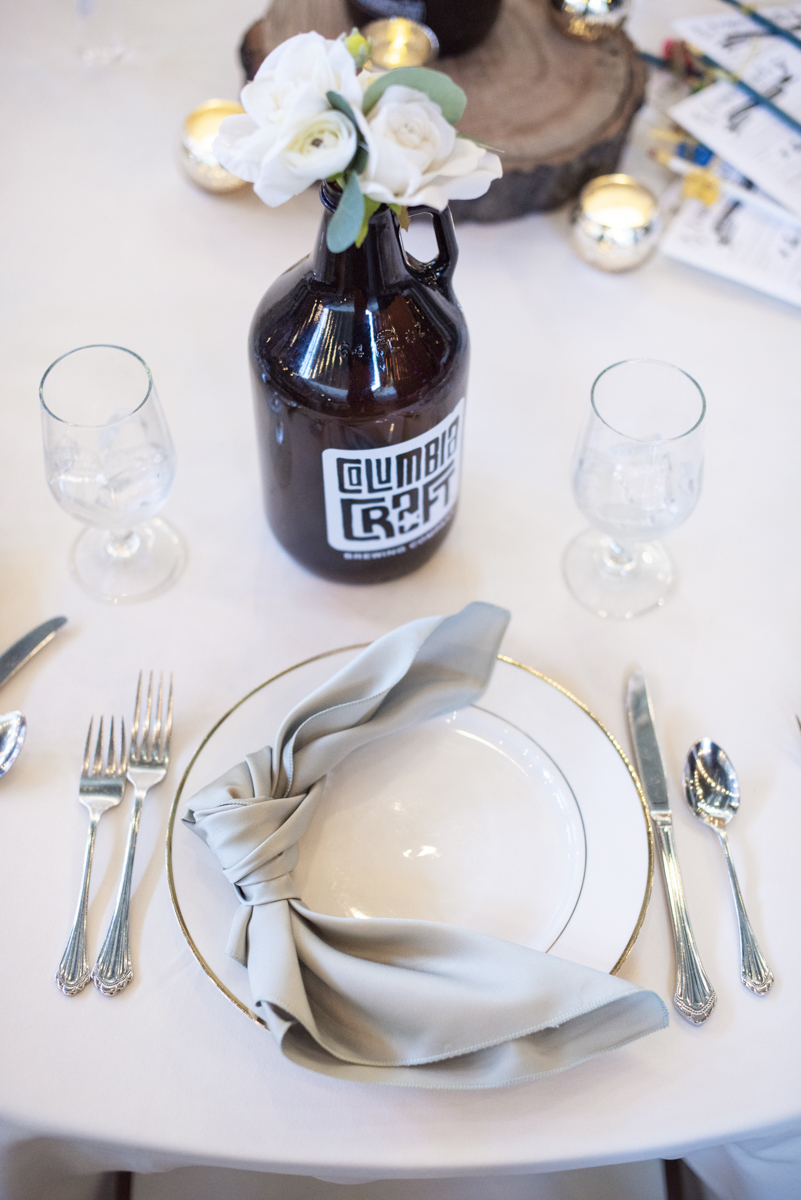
(616, 223)
(588, 20)
(400, 42)
(197, 138)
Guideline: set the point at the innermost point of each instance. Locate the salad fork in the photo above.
(100, 788)
(148, 757)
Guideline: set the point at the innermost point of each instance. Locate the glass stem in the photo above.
(123, 545)
(617, 559)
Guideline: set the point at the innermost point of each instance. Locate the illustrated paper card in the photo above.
(747, 136)
(740, 243)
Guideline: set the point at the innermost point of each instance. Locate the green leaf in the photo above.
(346, 223)
(338, 101)
(359, 160)
(402, 213)
(438, 87)
(370, 206)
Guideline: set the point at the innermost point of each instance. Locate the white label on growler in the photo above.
(388, 500)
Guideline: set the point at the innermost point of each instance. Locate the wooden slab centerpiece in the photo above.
(558, 108)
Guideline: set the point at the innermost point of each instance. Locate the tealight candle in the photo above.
(399, 42)
(616, 223)
(197, 138)
(588, 20)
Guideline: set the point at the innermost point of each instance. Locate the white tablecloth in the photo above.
(105, 241)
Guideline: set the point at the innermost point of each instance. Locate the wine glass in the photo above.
(637, 474)
(110, 462)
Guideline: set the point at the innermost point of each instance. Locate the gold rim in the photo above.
(342, 650)
(646, 815)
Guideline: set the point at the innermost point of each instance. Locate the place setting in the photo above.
(383, 756)
(432, 813)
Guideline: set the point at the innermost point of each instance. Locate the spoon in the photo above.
(713, 794)
(12, 735)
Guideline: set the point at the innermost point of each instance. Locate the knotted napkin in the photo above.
(385, 1000)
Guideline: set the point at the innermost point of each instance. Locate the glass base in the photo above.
(615, 581)
(126, 568)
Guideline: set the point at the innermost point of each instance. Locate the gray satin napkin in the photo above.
(379, 1000)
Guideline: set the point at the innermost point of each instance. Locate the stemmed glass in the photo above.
(637, 474)
(110, 462)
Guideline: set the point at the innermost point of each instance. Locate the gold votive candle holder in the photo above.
(588, 20)
(197, 138)
(400, 42)
(616, 223)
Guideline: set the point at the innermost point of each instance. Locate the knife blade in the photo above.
(27, 646)
(694, 995)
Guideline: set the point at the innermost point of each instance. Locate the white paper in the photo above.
(723, 117)
(749, 137)
(752, 51)
(739, 243)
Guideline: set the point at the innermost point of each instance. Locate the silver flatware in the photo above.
(13, 725)
(101, 787)
(27, 646)
(694, 995)
(712, 791)
(12, 734)
(148, 758)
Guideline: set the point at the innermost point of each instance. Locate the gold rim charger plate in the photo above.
(519, 817)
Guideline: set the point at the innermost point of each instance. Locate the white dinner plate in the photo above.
(518, 817)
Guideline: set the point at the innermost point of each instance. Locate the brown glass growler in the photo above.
(359, 364)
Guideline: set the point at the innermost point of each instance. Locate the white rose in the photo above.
(416, 157)
(289, 137)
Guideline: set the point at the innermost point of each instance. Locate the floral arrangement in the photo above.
(313, 113)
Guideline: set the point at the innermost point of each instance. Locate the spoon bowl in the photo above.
(712, 791)
(710, 783)
(13, 727)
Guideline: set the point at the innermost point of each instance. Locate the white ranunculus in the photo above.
(416, 157)
(289, 136)
(313, 148)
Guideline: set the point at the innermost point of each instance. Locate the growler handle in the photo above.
(439, 271)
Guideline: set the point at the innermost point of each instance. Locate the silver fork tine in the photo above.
(87, 750)
(147, 740)
(111, 757)
(155, 742)
(137, 712)
(165, 753)
(97, 765)
(123, 751)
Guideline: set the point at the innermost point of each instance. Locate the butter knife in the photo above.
(26, 647)
(694, 996)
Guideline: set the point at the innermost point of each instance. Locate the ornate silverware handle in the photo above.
(113, 970)
(73, 972)
(754, 971)
(695, 997)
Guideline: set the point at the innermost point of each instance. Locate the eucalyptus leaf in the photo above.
(338, 101)
(346, 223)
(438, 87)
(359, 160)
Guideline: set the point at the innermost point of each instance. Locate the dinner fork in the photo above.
(148, 757)
(100, 788)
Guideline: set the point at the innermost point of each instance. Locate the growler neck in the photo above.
(373, 268)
